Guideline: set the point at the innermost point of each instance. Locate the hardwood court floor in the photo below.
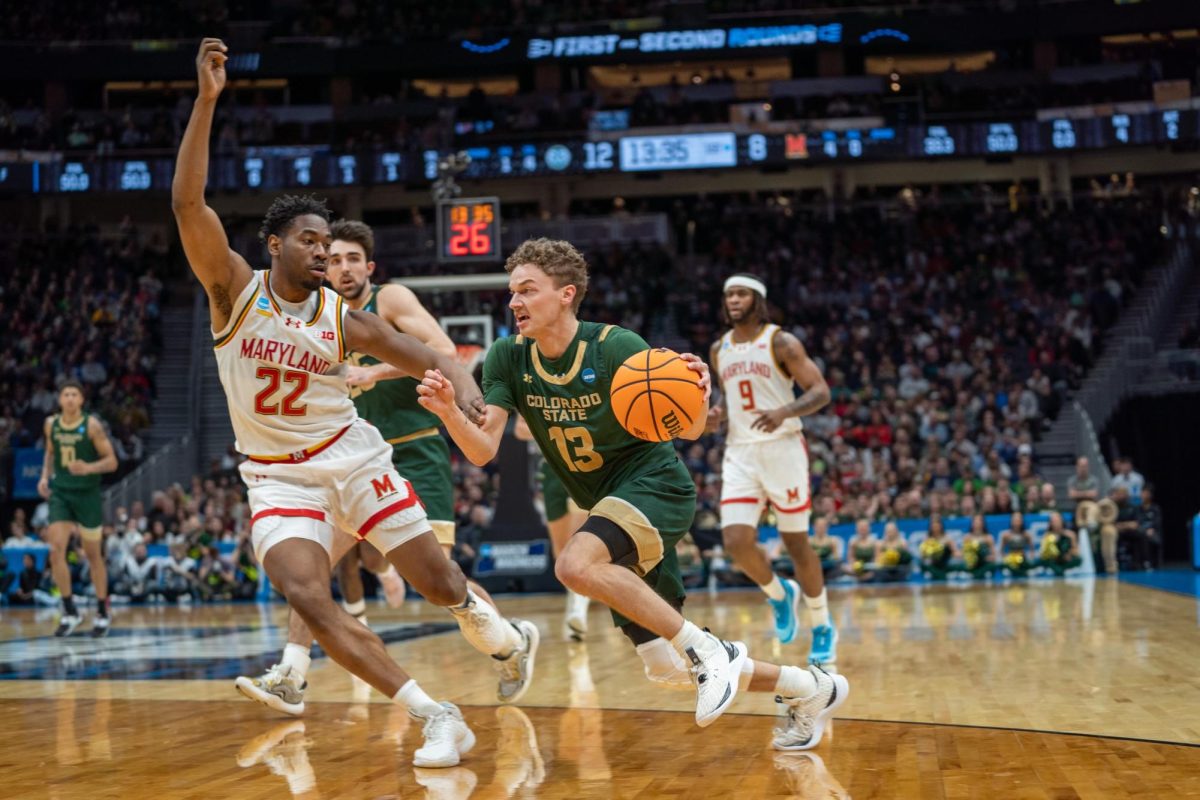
(955, 693)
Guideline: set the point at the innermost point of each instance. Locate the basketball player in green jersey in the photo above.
(556, 373)
(388, 400)
(78, 452)
(563, 518)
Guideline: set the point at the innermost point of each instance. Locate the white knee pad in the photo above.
(664, 666)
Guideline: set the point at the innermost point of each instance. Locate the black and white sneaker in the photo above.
(715, 666)
(100, 626)
(807, 716)
(67, 624)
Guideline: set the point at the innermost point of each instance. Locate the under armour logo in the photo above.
(528, 378)
(292, 322)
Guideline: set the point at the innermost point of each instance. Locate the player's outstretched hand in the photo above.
(210, 67)
(698, 364)
(436, 394)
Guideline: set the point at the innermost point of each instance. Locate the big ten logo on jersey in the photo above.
(384, 486)
(564, 409)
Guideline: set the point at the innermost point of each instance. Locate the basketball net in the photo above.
(469, 355)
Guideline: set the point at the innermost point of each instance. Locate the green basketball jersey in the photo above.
(565, 402)
(391, 405)
(72, 444)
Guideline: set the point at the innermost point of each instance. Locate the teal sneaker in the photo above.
(787, 612)
(824, 645)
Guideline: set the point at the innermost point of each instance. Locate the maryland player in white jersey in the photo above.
(757, 364)
(313, 465)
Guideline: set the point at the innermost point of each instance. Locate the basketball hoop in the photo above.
(469, 355)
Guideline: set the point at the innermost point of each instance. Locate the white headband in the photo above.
(746, 282)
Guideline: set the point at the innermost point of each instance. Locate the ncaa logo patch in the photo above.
(263, 306)
(588, 375)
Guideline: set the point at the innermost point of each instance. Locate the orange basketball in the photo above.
(655, 396)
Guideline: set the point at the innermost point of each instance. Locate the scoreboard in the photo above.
(468, 229)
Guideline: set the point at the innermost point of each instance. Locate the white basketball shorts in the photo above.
(775, 472)
(350, 485)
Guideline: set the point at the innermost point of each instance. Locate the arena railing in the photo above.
(176, 461)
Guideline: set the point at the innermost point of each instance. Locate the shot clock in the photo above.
(468, 229)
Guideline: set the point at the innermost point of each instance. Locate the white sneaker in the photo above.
(67, 624)
(807, 716)
(447, 739)
(393, 587)
(100, 627)
(575, 624)
(276, 688)
(516, 671)
(715, 667)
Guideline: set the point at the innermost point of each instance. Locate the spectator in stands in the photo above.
(18, 536)
(6, 578)
(1149, 554)
(178, 574)
(1083, 485)
(136, 579)
(1015, 546)
(1126, 528)
(28, 590)
(214, 577)
(1128, 478)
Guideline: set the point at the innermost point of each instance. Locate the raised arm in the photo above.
(223, 272)
(807, 375)
(368, 333)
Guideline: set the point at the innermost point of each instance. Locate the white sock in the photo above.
(487, 631)
(774, 589)
(818, 609)
(297, 657)
(746, 675)
(662, 662)
(413, 697)
(689, 636)
(795, 682)
(358, 610)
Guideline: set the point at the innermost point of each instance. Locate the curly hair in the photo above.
(557, 258)
(286, 208)
(359, 233)
(759, 310)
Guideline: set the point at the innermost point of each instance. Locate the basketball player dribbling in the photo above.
(387, 400)
(281, 343)
(766, 457)
(556, 372)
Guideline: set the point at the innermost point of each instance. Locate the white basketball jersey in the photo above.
(752, 381)
(283, 371)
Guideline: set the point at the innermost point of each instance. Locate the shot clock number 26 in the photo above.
(469, 230)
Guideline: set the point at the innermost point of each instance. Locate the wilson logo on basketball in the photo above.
(383, 487)
(672, 424)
